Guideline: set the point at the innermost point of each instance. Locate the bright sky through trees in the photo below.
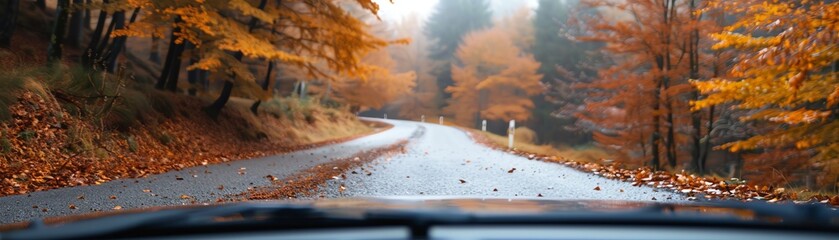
(400, 8)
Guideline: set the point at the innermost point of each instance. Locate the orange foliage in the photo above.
(636, 103)
(493, 78)
(319, 37)
(787, 76)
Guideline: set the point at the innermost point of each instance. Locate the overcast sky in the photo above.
(395, 11)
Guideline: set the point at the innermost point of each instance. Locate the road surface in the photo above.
(437, 159)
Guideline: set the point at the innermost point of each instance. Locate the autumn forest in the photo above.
(96, 90)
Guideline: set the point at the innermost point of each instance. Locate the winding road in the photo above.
(439, 161)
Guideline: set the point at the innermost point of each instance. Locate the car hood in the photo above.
(497, 207)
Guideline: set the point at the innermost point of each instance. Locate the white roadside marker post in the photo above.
(385, 115)
(510, 133)
(484, 125)
(422, 118)
(441, 120)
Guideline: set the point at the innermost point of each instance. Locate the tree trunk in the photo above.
(204, 79)
(96, 56)
(42, 4)
(216, 107)
(117, 19)
(74, 35)
(172, 57)
(706, 142)
(671, 136)
(192, 75)
(670, 147)
(87, 16)
(59, 31)
(656, 135)
(87, 56)
(267, 83)
(107, 56)
(8, 21)
(265, 86)
(175, 70)
(154, 53)
(696, 117)
(119, 43)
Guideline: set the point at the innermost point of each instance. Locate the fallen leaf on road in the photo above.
(72, 206)
(597, 188)
(271, 178)
(117, 207)
(462, 181)
(511, 170)
(621, 190)
(654, 199)
(146, 190)
(495, 189)
(184, 196)
(220, 187)
(80, 197)
(342, 188)
(540, 195)
(113, 197)
(179, 178)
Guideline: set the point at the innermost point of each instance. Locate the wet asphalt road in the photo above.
(437, 158)
(199, 184)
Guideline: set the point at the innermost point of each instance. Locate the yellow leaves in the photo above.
(196, 17)
(210, 60)
(833, 98)
(253, 47)
(784, 76)
(737, 40)
(807, 143)
(799, 116)
(379, 86)
(493, 79)
(246, 9)
(401, 41)
(795, 80)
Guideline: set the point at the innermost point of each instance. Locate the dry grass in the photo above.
(804, 194)
(582, 154)
(297, 123)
